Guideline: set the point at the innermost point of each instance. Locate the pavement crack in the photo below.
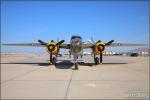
(68, 85)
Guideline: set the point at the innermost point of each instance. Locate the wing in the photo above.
(125, 44)
(87, 46)
(113, 45)
(23, 44)
(65, 46)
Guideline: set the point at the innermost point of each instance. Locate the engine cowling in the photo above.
(100, 47)
(52, 48)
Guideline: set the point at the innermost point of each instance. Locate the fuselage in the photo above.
(76, 45)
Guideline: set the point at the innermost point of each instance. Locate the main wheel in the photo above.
(76, 66)
(96, 59)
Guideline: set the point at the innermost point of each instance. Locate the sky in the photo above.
(28, 21)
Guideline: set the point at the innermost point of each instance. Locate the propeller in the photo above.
(109, 43)
(51, 47)
(100, 47)
(91, 42)
(60, 42)
(57, 39)
(42, 42)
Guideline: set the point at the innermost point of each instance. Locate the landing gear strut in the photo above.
(52, 59)
(98, 60)
(101, 57)
(76, 65)
(75, 62)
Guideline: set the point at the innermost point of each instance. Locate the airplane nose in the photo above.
(77, 42)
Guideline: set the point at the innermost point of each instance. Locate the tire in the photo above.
(76, 66)
(96, 59)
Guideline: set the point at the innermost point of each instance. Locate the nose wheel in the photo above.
(76, 65)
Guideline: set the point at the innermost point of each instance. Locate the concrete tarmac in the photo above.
(30, 77)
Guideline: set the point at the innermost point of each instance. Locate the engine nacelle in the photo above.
(100, 47)
(52, 48)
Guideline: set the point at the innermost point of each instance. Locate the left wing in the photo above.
(87, 46)
(125, 44)
(113, 45)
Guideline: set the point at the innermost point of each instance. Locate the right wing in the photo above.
(65, 46)
(23, 44)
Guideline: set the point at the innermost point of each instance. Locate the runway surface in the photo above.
(30, 77)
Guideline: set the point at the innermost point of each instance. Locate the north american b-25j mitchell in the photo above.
(75, 47)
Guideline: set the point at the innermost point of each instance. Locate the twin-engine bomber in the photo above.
(75, 47)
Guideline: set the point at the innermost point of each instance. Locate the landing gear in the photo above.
(101, 58)
(76, 65)
(75, 62)
(53, 60)
(96, 59)
(81, 56)
(69, 54)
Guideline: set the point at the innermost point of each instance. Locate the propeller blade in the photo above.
(42, 42)
(60, 42)
(108, 43)
(52, 40)
(57, 39)
(92, 39)
(91, 42)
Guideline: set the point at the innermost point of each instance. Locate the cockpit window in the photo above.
(73, 37)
